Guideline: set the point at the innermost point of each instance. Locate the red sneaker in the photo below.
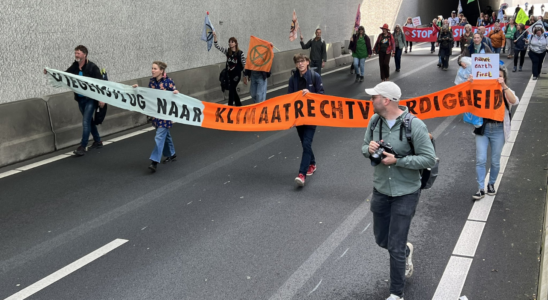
(311, 170)
(300, 179)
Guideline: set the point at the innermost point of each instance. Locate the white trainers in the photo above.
(394, 297)
(409, 262)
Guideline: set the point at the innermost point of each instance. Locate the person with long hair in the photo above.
(164, 142)
(409, 24)
(486, 20)
(509, 31)
(235, 64)
(361, 49)
(520, 47)
(537, 49)
(385, 48)
(399, 39)
(493, 134)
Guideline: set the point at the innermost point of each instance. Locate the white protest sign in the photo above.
(485, 66)
(417, 21)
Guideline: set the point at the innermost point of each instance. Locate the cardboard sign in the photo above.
(417, 21)
(485, 66)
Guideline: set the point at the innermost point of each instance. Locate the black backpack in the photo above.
(101, 113)
(429, 175)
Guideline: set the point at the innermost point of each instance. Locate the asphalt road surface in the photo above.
(226, 220)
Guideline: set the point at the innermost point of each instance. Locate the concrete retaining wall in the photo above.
(25, 131)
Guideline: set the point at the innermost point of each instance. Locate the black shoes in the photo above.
(357, 78)
(490, 190)
(170, 158)
(153, 166)
(514, 69)
(479, 195)
(361, 78)
(80, 151)
(96, 145)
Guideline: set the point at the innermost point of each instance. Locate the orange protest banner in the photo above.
(260, 55)
(482, 98)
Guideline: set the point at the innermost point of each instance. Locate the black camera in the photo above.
(378, 155)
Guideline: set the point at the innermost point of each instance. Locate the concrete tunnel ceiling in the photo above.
(432, 8)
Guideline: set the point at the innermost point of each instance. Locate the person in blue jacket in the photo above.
(305, 80)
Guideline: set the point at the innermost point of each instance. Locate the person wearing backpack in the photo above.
(308, 81)
(235, 64)
(494, 134)
(83, 67)
(397, 178)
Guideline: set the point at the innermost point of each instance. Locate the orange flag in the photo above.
(259, 55)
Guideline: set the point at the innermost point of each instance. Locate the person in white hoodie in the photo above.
(495, 134)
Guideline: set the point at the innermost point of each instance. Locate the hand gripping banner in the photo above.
(482, 98)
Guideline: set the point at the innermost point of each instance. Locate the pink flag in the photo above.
(358, 19)
(294, 27)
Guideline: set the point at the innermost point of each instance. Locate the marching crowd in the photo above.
(397, 178)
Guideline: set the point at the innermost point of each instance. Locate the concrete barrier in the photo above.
(66, 119)
(25, 131)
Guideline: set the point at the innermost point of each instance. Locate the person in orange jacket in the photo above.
(498, 38)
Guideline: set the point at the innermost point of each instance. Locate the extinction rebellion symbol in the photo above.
(260, 55)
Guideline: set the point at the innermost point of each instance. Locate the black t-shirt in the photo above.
(302, 83)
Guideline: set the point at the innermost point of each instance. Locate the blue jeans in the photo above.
(493, 136)
(391, 221)
(397, 57)
(359, 66)
(257, 88)
(164, 144)
(496, 50)
(87, 107)
(306, 135)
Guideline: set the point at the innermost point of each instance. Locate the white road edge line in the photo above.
(43, 283)
(456, 271)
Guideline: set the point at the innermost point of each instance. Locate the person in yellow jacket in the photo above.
(498, 39)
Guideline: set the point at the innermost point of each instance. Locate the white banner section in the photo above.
(159, 104)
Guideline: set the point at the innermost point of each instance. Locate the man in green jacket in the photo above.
(396, 180)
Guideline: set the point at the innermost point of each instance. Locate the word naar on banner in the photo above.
(482, 98)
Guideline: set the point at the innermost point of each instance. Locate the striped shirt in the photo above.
(232, 60)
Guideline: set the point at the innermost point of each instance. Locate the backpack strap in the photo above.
(407, 121)
(374, 123)
(313, 74)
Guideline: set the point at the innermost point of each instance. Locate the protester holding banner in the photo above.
(436, 26)
(360, 45)
(537, 50)
(235, 64)
(462, 22)
(396, 180)
(497, 38)
(409, 24)
(494, 134)
(305, 80)
(509, 35)
(493, 19)
(318, 52)
(258, 66)
(399, 39)
(385, 47)
(453, 19)
(83, 67)
(164, 142)
(478, 46)
(520, 46)
(445, 40)
(467, 38)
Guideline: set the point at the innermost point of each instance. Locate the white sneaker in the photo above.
(394, 297)
(409, 262)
